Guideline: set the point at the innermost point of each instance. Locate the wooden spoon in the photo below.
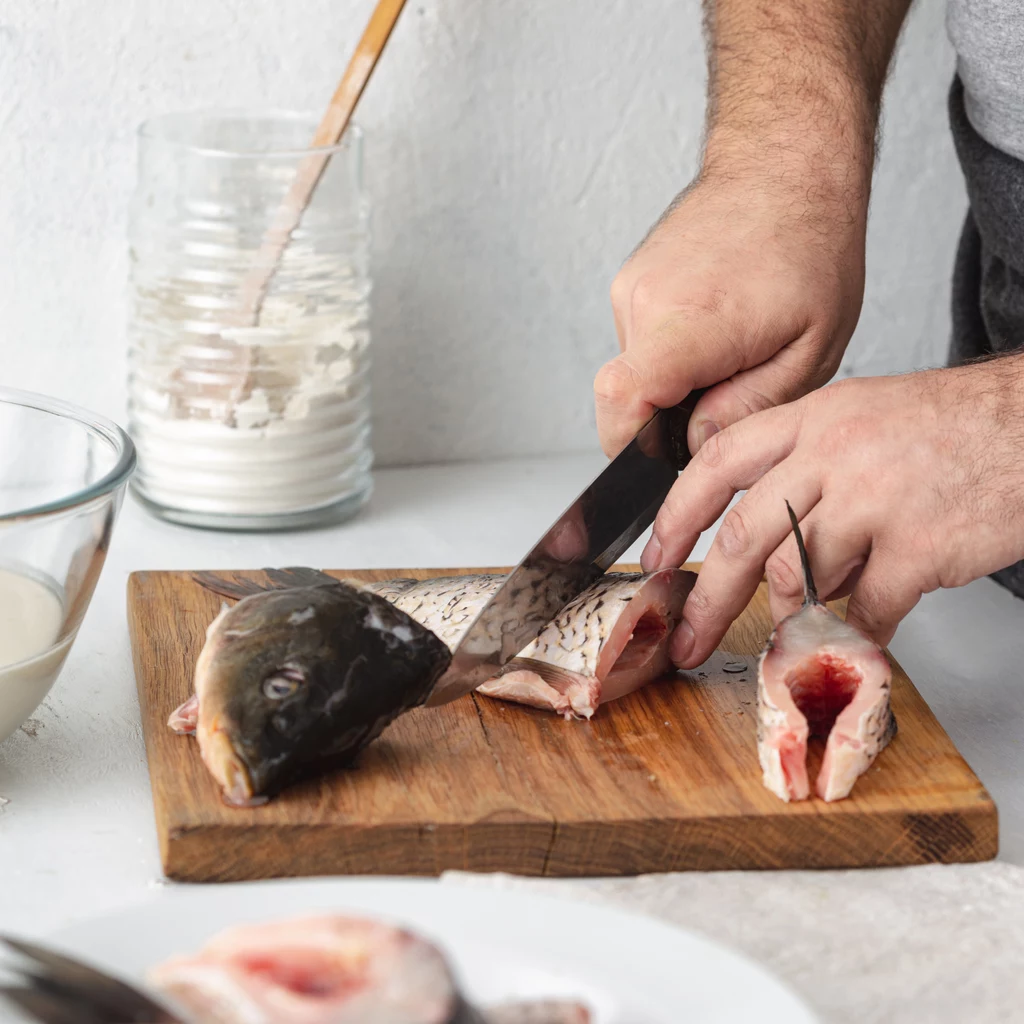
(332, 126)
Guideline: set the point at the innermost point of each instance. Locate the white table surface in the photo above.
(77, 836)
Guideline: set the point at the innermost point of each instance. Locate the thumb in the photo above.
(658, 370)
(618, 400)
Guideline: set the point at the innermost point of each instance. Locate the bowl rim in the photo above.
(119, 440)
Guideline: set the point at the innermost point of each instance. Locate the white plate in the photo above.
(503, 945)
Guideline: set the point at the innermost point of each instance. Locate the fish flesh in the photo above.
(610, 641)
(295, 679)
(315, 970)
(819, 676)
(330, 969)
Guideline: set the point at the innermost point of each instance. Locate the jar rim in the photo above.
(159, 129)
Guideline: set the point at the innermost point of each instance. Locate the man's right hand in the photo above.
(752, 282)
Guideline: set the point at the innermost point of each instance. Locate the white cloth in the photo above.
(925, 945)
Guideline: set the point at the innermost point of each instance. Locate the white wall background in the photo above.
(516, 152)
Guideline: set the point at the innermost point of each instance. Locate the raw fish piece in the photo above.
(331, 970)
(309, 670)
(820, 676)
(610, 641)
(291, 679)
(317, 970)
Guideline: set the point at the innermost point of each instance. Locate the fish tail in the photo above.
(810, 590)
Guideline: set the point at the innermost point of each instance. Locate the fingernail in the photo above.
(650, 560)
(682, 642)
(705, 430)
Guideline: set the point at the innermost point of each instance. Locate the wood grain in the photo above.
(666, 779)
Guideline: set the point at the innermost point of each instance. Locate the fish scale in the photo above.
(562, 669)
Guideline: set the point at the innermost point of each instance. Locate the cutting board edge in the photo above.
(185, 854)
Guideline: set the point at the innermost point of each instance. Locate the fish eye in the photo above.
(283, 683)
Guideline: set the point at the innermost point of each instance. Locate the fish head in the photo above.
(263, 679)
(289, 676)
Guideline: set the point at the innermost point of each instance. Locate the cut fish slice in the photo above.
(612, 640)
(818, 676)
(331, 970)
(318, 970)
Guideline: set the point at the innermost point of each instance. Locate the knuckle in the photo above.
(734, 535)
(672, 512)
(872, 608)
(751, 399)
(619, 290)
(700, 605)
(714, 452)
(644, 296)
(865, 614)
(783, 578)
(707, 300)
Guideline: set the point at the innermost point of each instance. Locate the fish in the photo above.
(292, 680)
(327, 969)
(446, 605)
(330, 969)
(608, 642)
(311, 669)
(819, 676)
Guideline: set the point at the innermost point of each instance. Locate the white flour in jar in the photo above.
(257, 420)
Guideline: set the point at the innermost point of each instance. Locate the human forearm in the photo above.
(797, 85)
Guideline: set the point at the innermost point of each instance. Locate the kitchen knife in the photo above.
(581, 545)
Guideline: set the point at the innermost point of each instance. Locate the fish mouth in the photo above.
(229, 770)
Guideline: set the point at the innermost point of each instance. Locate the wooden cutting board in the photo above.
(666, 779)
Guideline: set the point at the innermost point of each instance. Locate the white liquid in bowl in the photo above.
(31, 615)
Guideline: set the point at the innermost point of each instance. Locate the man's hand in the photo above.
(902, 485)
(753, 279)
(745, 282)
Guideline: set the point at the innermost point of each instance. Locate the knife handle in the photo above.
(677, 420)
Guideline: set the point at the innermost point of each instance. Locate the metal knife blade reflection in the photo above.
(578, 548)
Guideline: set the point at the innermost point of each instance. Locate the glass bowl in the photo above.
(62, 479)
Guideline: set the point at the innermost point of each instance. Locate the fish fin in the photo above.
(810, 591)
(234, 589)
(299, 576)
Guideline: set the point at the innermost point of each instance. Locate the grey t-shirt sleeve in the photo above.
(988, 36)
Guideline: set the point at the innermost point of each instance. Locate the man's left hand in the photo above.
(902, 485)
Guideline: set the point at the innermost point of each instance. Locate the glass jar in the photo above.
(248, 414)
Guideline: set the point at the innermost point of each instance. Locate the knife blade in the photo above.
(576, 550)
